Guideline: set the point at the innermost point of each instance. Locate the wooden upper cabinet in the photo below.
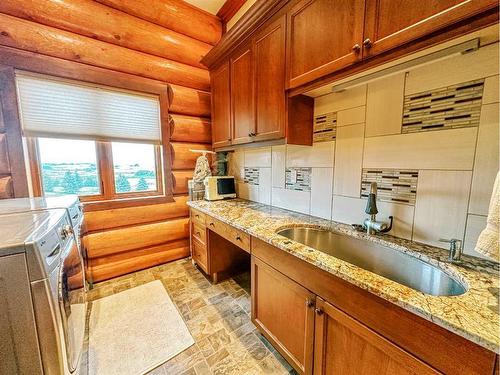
(284, 311)
(221, 106)
(342, 345)
(391, 23)
(242, 95)
(269, 57)
(323, 36)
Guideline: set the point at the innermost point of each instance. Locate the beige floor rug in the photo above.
(134, 331)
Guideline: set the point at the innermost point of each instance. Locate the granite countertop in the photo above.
(473, 315)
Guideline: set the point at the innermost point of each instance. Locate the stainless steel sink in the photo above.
(383, 261)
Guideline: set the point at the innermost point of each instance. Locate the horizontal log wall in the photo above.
(151, 43)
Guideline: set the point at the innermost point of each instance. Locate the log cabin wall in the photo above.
(163, 40)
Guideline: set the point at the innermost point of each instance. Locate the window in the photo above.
(68, 167)
(98, 142)
(134, 167)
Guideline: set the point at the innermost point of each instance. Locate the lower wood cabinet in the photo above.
(316, 337)
(342, 345)
(284, 313)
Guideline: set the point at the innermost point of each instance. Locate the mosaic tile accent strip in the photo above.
(251, 176)
(298, 179)
(392, 185)
(451, 107)
(325, 127)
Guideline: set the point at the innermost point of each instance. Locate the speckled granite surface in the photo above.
(473, 315)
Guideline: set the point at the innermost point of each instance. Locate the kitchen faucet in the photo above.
(371, 225)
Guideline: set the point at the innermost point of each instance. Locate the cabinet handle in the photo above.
(356, 48)
(238, 238)
(198, 233)
(212, 224)
(309, 303)
(367, 43)
(196, 215)
(251, 134)
(319, 311)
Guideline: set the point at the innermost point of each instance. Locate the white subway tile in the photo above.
(441, 208)
(491, 90)
(321, 192)
(442, 149)
(351, 116)
(299, 201)
(384, 106)
(338, 101)
(475, 224)
(236, 165)
(486, 162)
(348, 160)
(258, 157)
(248, 191)
(352, 211)
(265, 185)
(456, 69)
(320, 155)
(278, 166)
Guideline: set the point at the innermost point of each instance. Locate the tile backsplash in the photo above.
(429, 137)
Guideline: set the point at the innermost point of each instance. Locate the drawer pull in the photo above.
(198, 233)
(309, 303)
(238, 238)
(367, 43)
(319, 311)
(212, 224)
(196, 215)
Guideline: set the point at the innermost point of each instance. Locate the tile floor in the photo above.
(218, 317)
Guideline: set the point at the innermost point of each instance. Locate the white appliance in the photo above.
(219, 187)
(71, 203)
(42, 293)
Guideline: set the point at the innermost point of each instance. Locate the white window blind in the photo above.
(60, 108)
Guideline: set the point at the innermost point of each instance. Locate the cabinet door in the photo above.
(323, 36)
(269, 52)
(221, 111)
(283, 312)
(391, 23)
(342, 345)
(242, 96)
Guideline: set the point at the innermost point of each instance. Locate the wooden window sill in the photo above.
(110, 204)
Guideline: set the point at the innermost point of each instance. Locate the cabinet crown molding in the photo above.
(255, 17)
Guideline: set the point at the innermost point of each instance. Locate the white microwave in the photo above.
(219, 187)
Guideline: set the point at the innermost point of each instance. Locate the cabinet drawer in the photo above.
(199, 232)
(198, 217)
(236, 236)
(200, 255)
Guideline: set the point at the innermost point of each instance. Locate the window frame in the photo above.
(117, 80)
(105, 173)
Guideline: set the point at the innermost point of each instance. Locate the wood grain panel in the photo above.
(34, 37)
(6, 187)
(186, 101)
(182, 158)
(119, 264)
(180, 181)
(94, 20)
(122, 217)
(188, 19)
(190, 129)
(120, 240)
(4, 157)
(18, 186)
